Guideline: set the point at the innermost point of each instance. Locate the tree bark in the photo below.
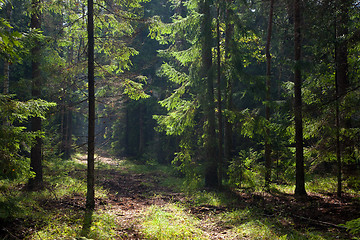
(90, 195)
(141, 130)
(68, 134)
(341, 47)
(211, 174)
(338, 144)
(128, 151)
(341, 78)
(228, 96)
(268, 162)
(220, 124)
(300, 172)
(36, 150)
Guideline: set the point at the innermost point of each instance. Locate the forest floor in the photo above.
(244, 215)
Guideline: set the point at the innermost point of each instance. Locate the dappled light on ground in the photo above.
(132, 202)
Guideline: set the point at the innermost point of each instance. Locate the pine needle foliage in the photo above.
(15, 140)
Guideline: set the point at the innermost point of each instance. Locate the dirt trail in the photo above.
(131, 194)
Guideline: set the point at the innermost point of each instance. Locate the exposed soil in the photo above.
(131, 193)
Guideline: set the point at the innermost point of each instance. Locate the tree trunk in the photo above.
(228, 96)
(36, 153)
(338, 144)
(128, 150)
(300, 173)
(141, 130)
(68, 134)
(220, 124)
(62, 128)
(341, 47)
(90, 200)
(268, 162)
(341, 78)
(211, 175)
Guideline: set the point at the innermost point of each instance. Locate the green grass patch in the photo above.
(321, 184)
(210, 198)
(52, 213)
(249, 223)
(170, 222)
(70, 225)
(282, 188)
(257, 229)
(215, 198)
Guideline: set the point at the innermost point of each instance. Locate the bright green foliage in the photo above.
(15, 141)
(243, 170)
(10, 42)
(134, 89)
(185, 163)
(181, 68)
(180, 106)
(114, 23)
(187, 105)
(354, 227)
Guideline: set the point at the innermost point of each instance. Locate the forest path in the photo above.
(132, 192)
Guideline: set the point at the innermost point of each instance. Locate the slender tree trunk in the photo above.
(220, 124)
(36, 150)
(90, 200)
(62, 127)
(141, 130)
(68, 134)
(211, 175)
(341, 78)
(300, 172)
(342, 48)
(228, 96)
(128, 151)
(268, 162)
(338, 144)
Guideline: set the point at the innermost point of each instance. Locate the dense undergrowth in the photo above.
(58, 212)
